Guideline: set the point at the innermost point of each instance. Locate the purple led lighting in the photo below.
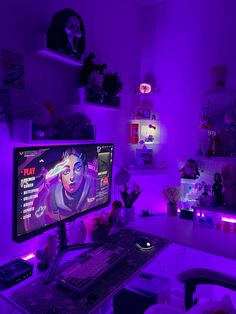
(28, 256)
(227, 219)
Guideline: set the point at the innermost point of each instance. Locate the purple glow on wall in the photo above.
(229, 219)
(180, 41)
(28, 256)
(46, 80)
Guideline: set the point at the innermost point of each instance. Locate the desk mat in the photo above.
(36, 297)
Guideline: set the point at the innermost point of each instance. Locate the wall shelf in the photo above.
(211, 165)
(38, 46)
(22, 131)
(160, 167)
(77, 96)
(222, 159)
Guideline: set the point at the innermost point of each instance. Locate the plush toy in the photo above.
(190, 169)
(91, 73)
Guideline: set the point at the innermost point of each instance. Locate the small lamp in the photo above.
(145, 88)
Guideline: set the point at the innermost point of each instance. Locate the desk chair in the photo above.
(191, 279)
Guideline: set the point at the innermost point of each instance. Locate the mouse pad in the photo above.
(36, 297)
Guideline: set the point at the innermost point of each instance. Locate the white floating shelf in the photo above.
(221, 159)
(22, 132)
(77, 98)
(39, 46)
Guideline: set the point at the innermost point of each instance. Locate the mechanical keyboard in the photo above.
(92, 266)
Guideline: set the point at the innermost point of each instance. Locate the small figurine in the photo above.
(217, 189)
(190, 170)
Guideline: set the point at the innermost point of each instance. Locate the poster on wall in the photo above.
(12, 69)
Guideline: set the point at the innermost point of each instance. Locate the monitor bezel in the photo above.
(34, 233)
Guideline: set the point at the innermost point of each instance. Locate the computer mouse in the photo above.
(143, 244)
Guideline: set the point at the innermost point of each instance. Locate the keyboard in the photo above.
(92, 266)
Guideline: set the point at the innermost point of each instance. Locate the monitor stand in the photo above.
(63, 249)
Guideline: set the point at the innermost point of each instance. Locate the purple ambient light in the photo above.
(28, 256)
(227, 219)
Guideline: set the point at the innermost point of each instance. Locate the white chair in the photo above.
(191, 279)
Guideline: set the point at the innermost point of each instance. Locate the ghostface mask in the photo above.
(66, 33)
(73, 32)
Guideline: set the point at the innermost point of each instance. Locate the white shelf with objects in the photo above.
(217, 141)
(78, 98)
(144, 138)
(217, 135)
(25, 131)
(29, 130)
(38, 46)
(212, 195)
(144, 141)
(144, 133)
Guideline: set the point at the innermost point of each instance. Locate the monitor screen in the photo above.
(58, 183)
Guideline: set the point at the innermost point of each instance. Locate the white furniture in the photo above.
(184, 232)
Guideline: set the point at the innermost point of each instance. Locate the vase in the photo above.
(171, 209)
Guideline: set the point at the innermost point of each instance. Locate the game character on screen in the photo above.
(69, 189)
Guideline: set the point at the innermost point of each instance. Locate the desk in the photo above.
(184, 232)
(37, 298)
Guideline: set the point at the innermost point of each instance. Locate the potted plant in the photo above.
(129, 194)
(112, 85)
(172, 195)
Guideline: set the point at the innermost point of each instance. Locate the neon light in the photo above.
(178, 210)
(145, 88)
(226, 219)
(28, 256)
(198, 214)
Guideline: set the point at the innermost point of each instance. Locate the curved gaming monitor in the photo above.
(55, 184)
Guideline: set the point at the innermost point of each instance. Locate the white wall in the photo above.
(181, 41)
(110, 34)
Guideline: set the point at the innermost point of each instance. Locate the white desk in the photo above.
(184, 232)
(179, 231)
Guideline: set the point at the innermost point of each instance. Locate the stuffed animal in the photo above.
(91, 73)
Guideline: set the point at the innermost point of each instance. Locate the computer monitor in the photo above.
(57, 184)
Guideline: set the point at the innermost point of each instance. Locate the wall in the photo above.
(181, 41)
(111, 35)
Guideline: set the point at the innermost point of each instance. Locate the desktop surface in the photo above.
(186, 233)
(36, 297)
